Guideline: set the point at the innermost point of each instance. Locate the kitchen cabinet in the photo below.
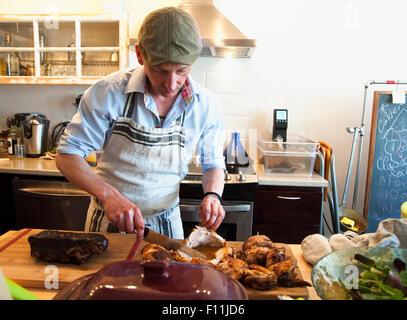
(63, 49)
(287, 213)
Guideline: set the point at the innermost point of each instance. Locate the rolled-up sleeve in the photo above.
(87, 130)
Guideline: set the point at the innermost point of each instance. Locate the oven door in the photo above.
(236, 226)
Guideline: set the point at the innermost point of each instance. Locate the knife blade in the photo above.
(170, 244)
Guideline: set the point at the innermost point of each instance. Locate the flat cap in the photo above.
(169, 35)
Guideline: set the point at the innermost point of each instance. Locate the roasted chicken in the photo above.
(259, 277)
(285, 266)
(259, 263)
(257, 255)
(233, 267)
(257, 241)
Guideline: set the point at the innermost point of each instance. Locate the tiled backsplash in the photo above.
(231, 81)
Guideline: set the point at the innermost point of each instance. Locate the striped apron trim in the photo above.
(96, 220)
(125, 130)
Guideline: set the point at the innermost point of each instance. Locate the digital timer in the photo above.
(280, 124)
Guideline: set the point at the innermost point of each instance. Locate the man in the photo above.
(147, 122)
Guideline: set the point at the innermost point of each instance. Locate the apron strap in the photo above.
(129, 106)
(180, 120)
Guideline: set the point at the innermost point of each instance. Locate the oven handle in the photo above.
(228, 207)
(288, 198)
(54, 192)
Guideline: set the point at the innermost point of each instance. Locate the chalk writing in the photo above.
(389, 172)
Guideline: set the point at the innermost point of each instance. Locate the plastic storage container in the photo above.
(295, 157)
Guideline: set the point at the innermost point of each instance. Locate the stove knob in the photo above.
(241, 176)
(227, 176)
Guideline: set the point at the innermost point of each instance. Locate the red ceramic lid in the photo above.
(159, 280)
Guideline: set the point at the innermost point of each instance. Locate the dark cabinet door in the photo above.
(287, 214)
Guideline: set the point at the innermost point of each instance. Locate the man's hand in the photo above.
(124, 214)
(211, 212)
(120, 211)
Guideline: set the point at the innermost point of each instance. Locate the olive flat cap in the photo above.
(169, 35)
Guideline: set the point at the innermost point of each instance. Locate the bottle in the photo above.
(12, 139)
(235, 154)
(42, 45)
(3, 65)
(48, 71)
(29, 71)
(12, 60)
(3, 142)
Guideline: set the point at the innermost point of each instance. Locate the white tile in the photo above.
(229, 82)
(212, 64)
(199, 77)
(238, 123)
(236, 105)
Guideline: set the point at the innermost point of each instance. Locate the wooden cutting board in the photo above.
(295, 292)
(17, 264)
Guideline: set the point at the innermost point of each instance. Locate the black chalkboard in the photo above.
(386, 185)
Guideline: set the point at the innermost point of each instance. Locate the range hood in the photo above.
(220, 37)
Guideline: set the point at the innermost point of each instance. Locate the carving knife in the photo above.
(170, 244)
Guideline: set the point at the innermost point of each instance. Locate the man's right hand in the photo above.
(124, 214)
(120, 211)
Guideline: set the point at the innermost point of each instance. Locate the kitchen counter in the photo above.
(43, 167)
(304, 267)
(314, 181)
(31, 166)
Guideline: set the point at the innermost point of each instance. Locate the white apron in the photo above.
(145, 165)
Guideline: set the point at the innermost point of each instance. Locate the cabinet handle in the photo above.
(289, 198)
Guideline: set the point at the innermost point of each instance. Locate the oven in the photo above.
(238, 202)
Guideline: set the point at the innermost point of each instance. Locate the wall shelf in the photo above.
(66, 49)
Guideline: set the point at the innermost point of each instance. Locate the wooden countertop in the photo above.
(304, 268)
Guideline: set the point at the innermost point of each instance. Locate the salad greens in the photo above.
(379, 281)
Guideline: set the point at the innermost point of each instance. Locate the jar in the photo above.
(29, 71)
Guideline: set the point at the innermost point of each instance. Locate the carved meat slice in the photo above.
(154, 251)
(181, 257)
(202, 236)
(260, 278)
(222, 253)
(209, 263)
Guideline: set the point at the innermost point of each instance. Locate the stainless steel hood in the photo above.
(220, 37)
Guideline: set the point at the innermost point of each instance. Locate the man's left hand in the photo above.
(211, 212)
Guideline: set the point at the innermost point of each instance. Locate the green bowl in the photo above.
(342, 265)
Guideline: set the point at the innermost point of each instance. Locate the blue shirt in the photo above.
(103, 102)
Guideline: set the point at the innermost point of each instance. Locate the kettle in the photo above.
(35, 134)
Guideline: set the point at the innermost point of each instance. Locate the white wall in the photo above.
(313, 58)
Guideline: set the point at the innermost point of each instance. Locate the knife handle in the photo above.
(146, 231)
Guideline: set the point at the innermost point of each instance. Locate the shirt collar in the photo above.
(137, 83)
